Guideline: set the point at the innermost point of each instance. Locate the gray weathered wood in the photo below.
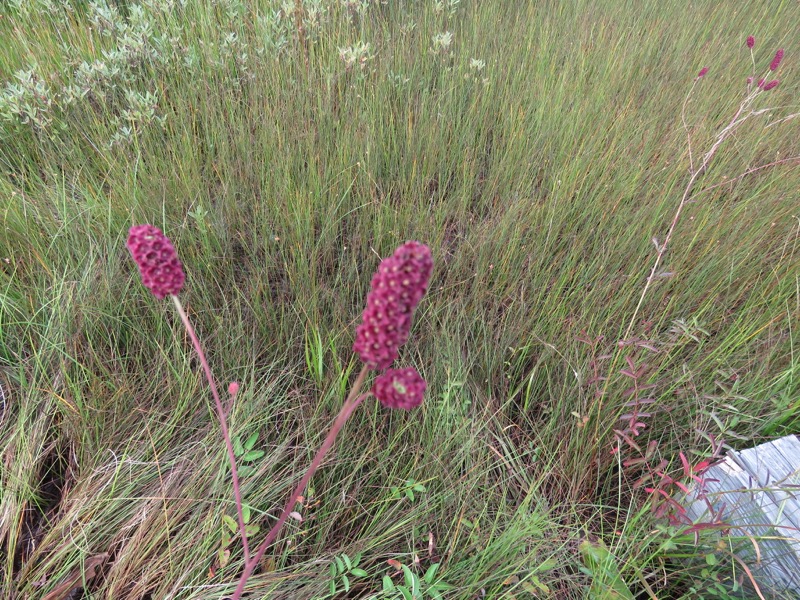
(757, 491)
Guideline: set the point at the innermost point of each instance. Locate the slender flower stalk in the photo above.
(162, 273)
(350, 405)
(397, 288)
(237, 493)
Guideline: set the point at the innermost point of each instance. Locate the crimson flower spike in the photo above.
(158, 262)
(397, 287)
(702, 72)
(751, 41)
(777, 60)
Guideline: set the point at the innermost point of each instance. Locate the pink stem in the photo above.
(223, 425)
(348, 407)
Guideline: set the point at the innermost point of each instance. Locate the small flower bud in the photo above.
(158, 262)
(400, 388)
(760, 83)
(770, 84)
(702, 72)
(751, 41)
(777, 60)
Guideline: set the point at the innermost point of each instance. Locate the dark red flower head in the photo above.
(400, 388)
(157, 260)
(397, 287)
(751, 41)
(777, 60)
(702, 72)
(770, 84)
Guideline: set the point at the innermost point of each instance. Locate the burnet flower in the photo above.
(400, 388)
(777, 60)
(397, 287)
(158, 262)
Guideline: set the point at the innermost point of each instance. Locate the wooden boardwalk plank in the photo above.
(758, 492)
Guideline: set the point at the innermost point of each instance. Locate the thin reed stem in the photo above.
(222, 422)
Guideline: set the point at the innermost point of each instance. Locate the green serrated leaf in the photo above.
(395, 492)
(346, 583)
(245, 470)
(358, 573)
(410, 494)
(388, 584)
(251, 530)
(245, 513)
(339, 564)
(347, 561)
(356, 559)
(332, 587)
(251, 441)
(430, 574)
(230, 523)
(711, 560)
(333, 569)
(238, 449)
(420, 488)
(404, 591)
(253, 455)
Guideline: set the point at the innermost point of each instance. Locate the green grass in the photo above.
(282, 177)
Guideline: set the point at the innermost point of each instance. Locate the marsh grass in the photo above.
(282, 176)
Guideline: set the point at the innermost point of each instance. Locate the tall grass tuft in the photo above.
(550, 157)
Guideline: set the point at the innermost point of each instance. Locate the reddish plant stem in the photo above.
(687, 193)
(352, 402)
(222, 423)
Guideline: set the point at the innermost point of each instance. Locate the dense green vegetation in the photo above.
(541, 149)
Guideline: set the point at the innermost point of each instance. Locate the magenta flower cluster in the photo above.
(751, 41)
(158, 262)
(702, 72)
(397, 287)
(777, 60)
(400, 388)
